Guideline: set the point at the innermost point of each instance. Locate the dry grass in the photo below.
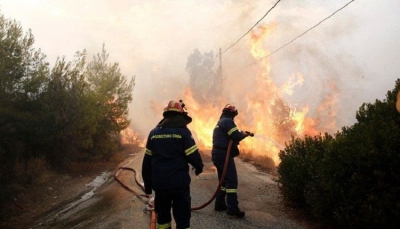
(36, 170)
(93, 167)
(263, 163)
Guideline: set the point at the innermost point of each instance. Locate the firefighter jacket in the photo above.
(224, 131)
(169, 148)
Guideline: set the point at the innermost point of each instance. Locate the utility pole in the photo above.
(220, 86)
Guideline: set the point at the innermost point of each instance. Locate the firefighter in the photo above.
(224, 131)
(170, 148)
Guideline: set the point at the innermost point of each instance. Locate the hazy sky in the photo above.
(358, 48)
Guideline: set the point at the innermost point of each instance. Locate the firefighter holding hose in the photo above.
(170, 148)
(225, 131)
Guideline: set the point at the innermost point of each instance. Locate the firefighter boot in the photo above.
(233, 209)
(220, 204)
(236, 214)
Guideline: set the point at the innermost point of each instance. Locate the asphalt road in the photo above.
(113, 207)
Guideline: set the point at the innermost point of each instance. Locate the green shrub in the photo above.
(351, 180)
(299, 162)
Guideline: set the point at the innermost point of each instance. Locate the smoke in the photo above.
(349, 59)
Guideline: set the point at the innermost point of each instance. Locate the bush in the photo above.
(351, 180)
(299, 163)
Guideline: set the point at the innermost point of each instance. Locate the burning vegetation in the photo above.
(131, 137)
(260, 101)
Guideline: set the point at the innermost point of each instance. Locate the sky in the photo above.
(352, 56)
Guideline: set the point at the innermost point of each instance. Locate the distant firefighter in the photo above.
(224, 131)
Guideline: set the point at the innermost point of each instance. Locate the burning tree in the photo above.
(262, 108)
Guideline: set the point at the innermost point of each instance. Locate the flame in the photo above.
(205, 117)
(129, 136)
(287, 87)
(299, 119)
(257, 39)
(264, 112)
(328, 108)
(398, 102)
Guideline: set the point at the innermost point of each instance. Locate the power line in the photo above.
(296, 37)
(251, 27)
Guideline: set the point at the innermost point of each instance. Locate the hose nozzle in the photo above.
(248, 133)
(183, 105)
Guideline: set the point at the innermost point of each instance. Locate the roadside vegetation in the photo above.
(59, 117)
(55, 117)
(350, 179)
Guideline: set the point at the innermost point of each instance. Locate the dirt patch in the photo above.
(55, 191)
(40, 198)
(114, 207)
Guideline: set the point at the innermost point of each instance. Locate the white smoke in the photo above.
(357, 49)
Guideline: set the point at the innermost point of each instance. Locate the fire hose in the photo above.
(151, 208)
(150, 202)
(228, 152)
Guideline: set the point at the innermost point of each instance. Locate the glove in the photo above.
(248, 133)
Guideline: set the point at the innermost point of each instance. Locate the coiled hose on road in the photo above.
(153, 214)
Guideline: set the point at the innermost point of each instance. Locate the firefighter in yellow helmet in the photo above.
(224, 131)
(170, 148)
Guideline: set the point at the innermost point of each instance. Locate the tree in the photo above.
(113, 92)
(66, 121)
(202, 77)
(85, 105)
(64, 115)
(23, 73)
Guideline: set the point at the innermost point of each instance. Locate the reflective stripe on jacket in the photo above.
(224, 131)
(168, 152)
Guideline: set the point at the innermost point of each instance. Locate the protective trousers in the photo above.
(230, 184)
(180, 201)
